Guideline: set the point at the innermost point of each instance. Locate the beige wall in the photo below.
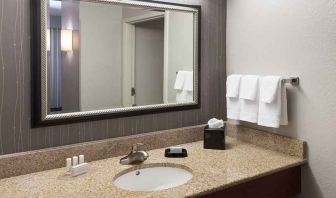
(292, 38)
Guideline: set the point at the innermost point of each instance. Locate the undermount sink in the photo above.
(153, 178)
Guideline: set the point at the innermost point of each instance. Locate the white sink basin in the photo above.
(153, 179)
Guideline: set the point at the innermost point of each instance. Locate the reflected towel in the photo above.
(188, 81)
(184, 96)
(179, 82)
(184, 81)
(184, 84)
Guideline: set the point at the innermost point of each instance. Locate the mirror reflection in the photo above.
(106, 56)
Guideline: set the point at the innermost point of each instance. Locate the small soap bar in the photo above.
(79, 169)
(175, 149)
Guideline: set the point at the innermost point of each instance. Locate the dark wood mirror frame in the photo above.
(36, 77)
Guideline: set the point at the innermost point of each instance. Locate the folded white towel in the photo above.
(274, 114)
(249, 98)
(249, 87)
(184, 84)
(188, 81)
(232, 94)
(232, 86)
(184, 81)
(269, 88)
(179, 82)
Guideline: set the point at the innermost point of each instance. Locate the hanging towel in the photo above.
(184, 84)
(272, 112)
(249, 87)
(184, 81)
(183, 96)
(232, 86)
(268, 88)
(232, 96)
(179, 82)
(188, 81)
(249, 98)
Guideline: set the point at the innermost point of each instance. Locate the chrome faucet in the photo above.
(135, 156)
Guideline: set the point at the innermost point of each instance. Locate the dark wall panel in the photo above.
(15, 132)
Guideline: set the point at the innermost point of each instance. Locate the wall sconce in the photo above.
(48, 40)
(66, 40)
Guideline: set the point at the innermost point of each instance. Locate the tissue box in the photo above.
(214, 138)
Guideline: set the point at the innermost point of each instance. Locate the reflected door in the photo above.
(149, 46)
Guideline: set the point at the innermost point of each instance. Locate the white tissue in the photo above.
(215, 123)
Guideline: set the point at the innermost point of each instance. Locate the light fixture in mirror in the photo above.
(127, 58)
(66, 40)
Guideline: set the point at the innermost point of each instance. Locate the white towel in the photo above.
(233, 108)
(184, 81)
(273, 114)
(184, 84)
(232, 86)
(179, 82)
(184, 96)
(232, 94)
(269, 88)
(188, 81)
(249, 87)
(249, 98)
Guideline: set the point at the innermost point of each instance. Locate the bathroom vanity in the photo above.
(143, 62)
(254, 164)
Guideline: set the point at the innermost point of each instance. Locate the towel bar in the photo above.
(292, 80)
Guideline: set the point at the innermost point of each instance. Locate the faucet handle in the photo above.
(135, 146)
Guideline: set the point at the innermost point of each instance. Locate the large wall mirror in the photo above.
(96, 59)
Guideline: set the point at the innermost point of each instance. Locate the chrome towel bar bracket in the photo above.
(295, 81)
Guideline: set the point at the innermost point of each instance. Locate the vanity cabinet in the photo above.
(283, 184)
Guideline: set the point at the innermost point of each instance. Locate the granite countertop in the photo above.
(212, 170)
